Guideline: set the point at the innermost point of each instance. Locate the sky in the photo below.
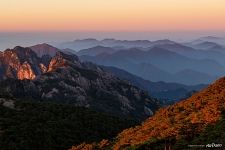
(28, 22)
(112, 15)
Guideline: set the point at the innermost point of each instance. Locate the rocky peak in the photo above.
(19, 55)
(44, 49)
(18, 63)
(62, 60)
(24, 54)
(56, 62)
(23, 63)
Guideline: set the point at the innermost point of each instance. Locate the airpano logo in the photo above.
(212, 145)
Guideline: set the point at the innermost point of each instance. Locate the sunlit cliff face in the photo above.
(56, 62)
(23, 63)
(25, 72)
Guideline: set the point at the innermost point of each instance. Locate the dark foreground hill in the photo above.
(26, 125)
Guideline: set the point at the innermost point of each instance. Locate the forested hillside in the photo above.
(26, 125)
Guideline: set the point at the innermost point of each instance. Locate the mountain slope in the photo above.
(183, 120)
(193, 77)
(145, 70)
(66, 80)
(200, 110)
(159, 90)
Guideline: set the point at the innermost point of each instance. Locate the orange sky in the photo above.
(112, 15)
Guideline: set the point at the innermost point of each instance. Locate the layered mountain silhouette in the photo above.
(218, 40)
(204, 56)
(159, 64)
(205, 45)
(181, 123)
(198, 50)
(114, 43)
(63, 78)
(89, 43)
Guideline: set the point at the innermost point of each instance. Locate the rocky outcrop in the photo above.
(25, 72)
(56, 62)
(20, 63)
(44, 49)
(7, 103)
(23, 63)
(43, 68)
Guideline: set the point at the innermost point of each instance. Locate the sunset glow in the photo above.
(116, 15)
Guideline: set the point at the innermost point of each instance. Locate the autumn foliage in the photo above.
(101, 145)
(184, 119)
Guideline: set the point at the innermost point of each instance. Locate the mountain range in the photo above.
(167, 91)
(63, 78)
(159, 64)
(80, 44)
(200, 61)
(89, 43)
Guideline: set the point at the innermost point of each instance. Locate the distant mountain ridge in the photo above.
(44, 49)
(113, 43)
(186, 49)
(158, 64)
(89, 43)
(216, 52)
(218, 40)
(206, 45)
(96, 51)
(204, 62)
